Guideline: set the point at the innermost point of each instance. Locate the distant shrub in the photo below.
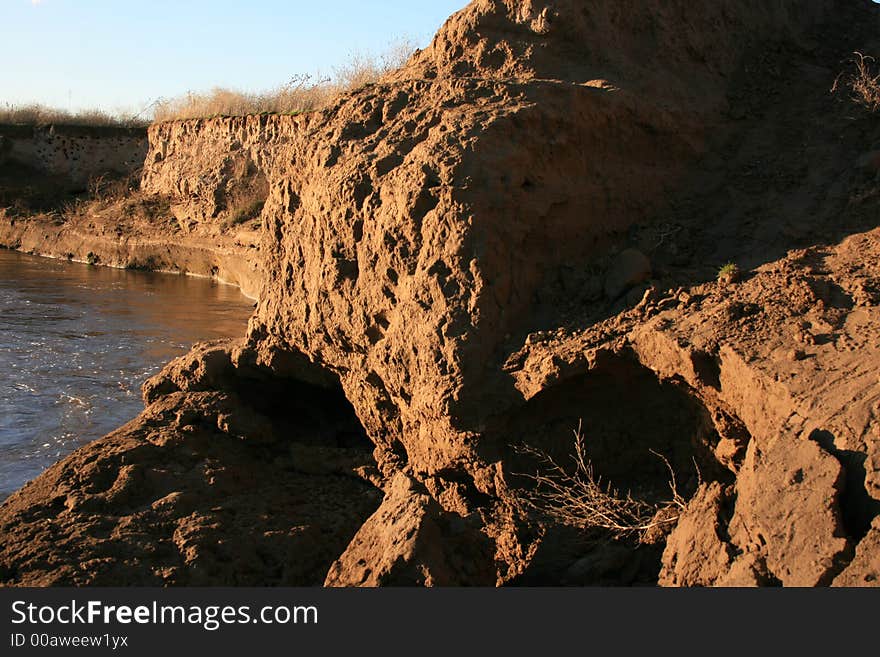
(114, 186)
(251, 210)
(862, 82)
(150, 263)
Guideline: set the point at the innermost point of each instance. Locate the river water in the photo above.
(77, 342)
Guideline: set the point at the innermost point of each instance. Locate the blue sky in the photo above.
(122, 54)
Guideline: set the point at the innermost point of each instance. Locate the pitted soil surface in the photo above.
(517, 234)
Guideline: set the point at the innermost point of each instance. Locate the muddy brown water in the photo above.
(77, 342)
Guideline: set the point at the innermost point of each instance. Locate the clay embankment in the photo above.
(186, 197)
(517, 234)
(76, 154)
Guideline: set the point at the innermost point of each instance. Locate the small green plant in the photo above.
(92, 258)
(729, 273)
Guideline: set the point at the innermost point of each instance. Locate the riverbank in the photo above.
(103, 235)
(184, 197)
(77, 342)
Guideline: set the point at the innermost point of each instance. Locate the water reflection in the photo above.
(76, 342)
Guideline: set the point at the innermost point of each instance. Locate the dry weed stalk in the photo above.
(581, 499)
(863, 84)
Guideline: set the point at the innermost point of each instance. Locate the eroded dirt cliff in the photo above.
(514, 236)
(191, 203)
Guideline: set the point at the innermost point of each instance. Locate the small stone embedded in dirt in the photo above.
(796, 354)
(628, 269)
(636, 295)
(870, 162)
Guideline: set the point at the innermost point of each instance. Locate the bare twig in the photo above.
(581, 499)
(665, 232)
(862, 83)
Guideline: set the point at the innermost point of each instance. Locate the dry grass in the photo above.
(862, 82)
(36, 114)
(302, 93)
(579, 498)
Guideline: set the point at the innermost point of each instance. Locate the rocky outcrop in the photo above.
(417, 543)
(517, 235)
(257, 485)
(426, 226)
(215, 168)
